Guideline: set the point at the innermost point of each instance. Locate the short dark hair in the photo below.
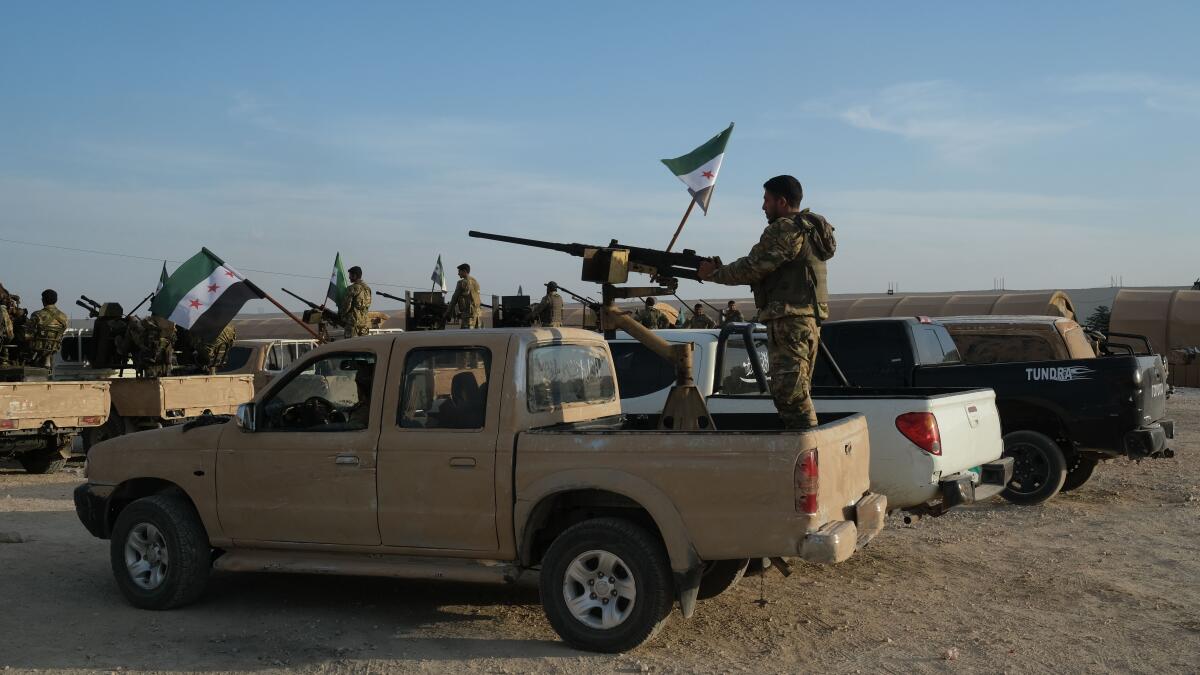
(355, 271)
(787, 187)
(49, 296)
(465, 267)
(650, 300)
(698, 306)
(732, 303)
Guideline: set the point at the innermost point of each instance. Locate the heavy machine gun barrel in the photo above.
(400, 299)
(90, 301)
(587, 301)
(93, 312)
(657, 263)
(326, 313)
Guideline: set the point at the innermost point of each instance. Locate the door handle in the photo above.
(465, 462)
(345, 459)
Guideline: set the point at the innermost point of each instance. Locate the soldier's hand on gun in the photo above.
(706, 269)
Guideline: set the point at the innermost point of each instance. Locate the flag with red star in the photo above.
(203, 295)
(699, 168)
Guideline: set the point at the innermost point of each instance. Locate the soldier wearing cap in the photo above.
(464, 304)
(355, 307)
(549, 311)
(651, 316)
(699, 318)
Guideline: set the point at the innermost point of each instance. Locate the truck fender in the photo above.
(661, 509)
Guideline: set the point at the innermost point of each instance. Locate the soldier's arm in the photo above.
(775, 247)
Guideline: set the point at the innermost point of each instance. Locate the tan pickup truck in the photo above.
(477, 455)
(40, 420)
(264, 358)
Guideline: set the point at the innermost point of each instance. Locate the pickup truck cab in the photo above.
(932, 448)
(264, 358)
(1059, 417)
(477, 455)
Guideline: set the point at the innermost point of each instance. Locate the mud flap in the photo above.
(687, 585)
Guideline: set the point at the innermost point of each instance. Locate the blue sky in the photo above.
(950, 143)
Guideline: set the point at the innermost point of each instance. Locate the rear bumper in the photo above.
(836, 541)
(960, 488)
(91, 506)
(1150, 440)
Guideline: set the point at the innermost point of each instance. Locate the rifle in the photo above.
(612, 263)
(586, 301)
(400, 299)
(326, 314)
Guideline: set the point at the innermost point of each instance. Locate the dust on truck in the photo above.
(479, 456)
(40, 420)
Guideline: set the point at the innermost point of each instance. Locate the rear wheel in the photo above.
(45, 460)
(1039, 467)
(160, 553)
(1079, 472)
(721, 575)
(606, 585)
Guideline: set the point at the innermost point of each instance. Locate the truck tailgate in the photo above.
(27, 405)
(182, 397)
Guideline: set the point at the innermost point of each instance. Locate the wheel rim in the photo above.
(599, 589)
(1030, 468)
(146, 556)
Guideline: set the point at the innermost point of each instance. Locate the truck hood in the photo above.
(109, 461)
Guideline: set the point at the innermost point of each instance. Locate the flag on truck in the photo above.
(699, 168)
(162, 279)
(203, 295)
(439, 276)
(338, 282)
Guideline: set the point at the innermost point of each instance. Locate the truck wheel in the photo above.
(721, 575)
(160, 553)
(606, 585)
(46, 460)
(1079, 472)
(1039, 468)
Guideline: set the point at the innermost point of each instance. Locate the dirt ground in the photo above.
(1103, 579)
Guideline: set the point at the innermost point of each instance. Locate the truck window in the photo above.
(930, 348)
(981, 348)
(445, 388)
(330, 394)
(564, 375)
(737, 372)
(871, 354)
(948, 347)
(639, 370)
(238, 356)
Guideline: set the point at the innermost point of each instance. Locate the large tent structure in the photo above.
(1171, 319)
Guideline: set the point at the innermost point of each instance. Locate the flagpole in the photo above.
(254, 287)
(691, 205)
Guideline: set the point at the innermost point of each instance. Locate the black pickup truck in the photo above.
(1059, 417)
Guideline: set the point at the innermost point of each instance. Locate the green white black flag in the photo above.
(162, 278)
(203, 295)
(337, 282)
(699, 168)
(439, 276)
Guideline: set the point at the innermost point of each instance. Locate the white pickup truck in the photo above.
(932, 448)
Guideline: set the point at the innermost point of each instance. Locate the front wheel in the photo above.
(1039, 467)
(606, 585)
(160, 553)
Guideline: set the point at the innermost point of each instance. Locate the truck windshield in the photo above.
(563, 375)
(737, 372)
(236, 359)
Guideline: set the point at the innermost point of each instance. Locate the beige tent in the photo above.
(1047, 303)
(1171, 319)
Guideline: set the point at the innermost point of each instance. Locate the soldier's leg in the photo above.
(788, 353)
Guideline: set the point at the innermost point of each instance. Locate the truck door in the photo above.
(306, 473)
(437, 448)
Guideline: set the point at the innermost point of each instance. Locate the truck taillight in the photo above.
(922, 429)
(8, 424)
(91, 420)
(805, 481)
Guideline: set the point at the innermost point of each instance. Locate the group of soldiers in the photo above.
(652, 317)
(30, 339)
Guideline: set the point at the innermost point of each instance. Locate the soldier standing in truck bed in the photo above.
(549, 310)
(44, 331)
(355, 305)
(650, 316)
(699, 318)
(211, 355)
(732, 314)
(786, 271)
(464, 304)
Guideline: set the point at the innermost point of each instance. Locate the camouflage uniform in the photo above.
(788, 280)
(354, 309)
(211, 355)
(464, 304)
(652, 317)
(732, 316)
(700, 320)
(43, 335)
(549, 311)
(6, 327)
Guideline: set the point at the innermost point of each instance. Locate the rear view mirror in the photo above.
(245, 416)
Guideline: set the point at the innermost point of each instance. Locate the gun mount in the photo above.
(322, 314)
(610, 265)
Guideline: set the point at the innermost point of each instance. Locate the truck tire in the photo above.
(1039, 467)
(606, 585)
(1079, 472)
(160, 553)
(720, 576)
(46, 460)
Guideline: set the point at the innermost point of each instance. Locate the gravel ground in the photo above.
(1104, 578)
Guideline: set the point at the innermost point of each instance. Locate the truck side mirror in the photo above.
(245, 416)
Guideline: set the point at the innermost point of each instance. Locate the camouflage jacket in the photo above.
(652, 317)
(6, 327)
(786, 276)
(732, 316)
(465, 301)
(700, 320)
(45, 329)
(212, 354)
(549, 311)
(355, 305)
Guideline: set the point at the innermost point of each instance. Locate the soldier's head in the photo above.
(650, 301)
(355, 273)
(697, 308)
(49, 297)
(732, 305)
(781, 196)
(463, 270)
(551, 287)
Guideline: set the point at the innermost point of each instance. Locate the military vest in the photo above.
(552, 310)
(797, 283)
(46, 328)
